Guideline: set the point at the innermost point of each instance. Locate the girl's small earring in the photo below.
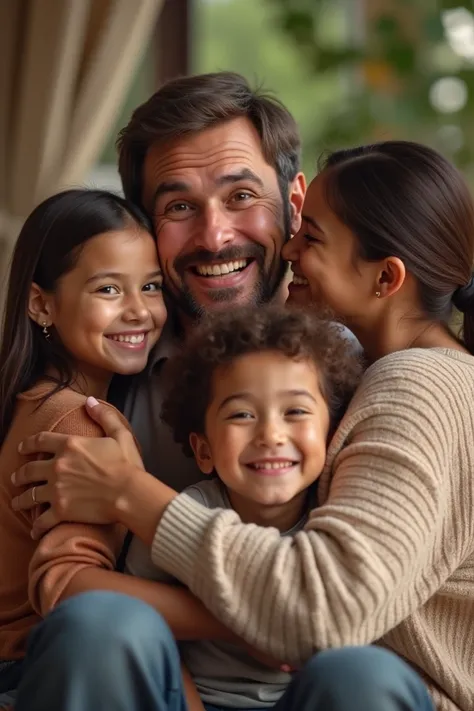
(377, 294)
(46, 333)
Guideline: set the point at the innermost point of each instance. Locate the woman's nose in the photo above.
(291, 250)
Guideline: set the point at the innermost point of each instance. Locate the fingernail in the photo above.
(13, 477)
(92, 402)
(34, 535)
(20, 447)
(286, 668)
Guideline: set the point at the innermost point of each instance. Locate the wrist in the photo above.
(142, 503)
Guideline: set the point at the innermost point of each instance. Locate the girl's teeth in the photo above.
(139, 338)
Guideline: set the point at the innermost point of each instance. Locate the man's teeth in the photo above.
(220, 269)
(139, 338)
(299, 281)
(271, 465)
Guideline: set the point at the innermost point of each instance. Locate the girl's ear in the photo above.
(39, 306)
(202, 452)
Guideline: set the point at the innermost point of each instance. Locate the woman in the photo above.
(386, 559)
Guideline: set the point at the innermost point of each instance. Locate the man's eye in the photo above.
(178, 207)
(241, 196)
(109, 290)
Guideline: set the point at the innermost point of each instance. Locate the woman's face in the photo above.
(325, 263)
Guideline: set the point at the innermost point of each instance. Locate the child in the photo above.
(84, 302)
(255, 396)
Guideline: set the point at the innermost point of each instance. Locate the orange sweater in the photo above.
(34, 575)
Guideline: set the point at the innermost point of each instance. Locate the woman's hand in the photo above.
(86, 477)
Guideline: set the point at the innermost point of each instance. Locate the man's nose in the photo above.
(215, 230)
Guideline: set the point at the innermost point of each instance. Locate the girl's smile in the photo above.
(108, 311)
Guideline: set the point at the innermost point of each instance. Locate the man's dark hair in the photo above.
(192, 104)
(223, 337)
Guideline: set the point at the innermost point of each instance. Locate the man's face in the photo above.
(219, 217)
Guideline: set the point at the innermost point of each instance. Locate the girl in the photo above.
(84, 302)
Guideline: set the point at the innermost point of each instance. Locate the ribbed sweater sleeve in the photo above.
(395, 521)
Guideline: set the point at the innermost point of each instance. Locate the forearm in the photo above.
(193, 699)
(186, 616)
(142, 504)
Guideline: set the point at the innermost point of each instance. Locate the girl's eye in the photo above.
(153, 286)
(109, 290)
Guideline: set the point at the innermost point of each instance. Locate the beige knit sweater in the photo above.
(387, 557)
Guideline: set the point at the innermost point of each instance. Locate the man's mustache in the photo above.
(228, 254)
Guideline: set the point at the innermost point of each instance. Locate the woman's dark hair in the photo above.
(223, 337)
(48, 247)
(405, 200)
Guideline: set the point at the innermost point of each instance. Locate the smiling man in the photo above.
(216, 166)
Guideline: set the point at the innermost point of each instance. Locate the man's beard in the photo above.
(264, 290)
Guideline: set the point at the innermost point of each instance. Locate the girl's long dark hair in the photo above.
(48, 247)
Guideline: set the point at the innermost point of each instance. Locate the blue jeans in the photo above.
(103, 650)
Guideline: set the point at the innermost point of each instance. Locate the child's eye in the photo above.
(297, 411)
(152, 286)
(109, 290)
(240, 415)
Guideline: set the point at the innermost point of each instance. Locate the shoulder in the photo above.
(415, 394)
(210, 493)
(63, 411)
(431, 373)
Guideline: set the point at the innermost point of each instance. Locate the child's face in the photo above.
(109, 310)
(266, 427)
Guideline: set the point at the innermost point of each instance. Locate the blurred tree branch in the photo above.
(392, 68)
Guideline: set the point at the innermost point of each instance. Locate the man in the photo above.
(216, 167)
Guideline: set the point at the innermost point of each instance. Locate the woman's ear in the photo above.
(202, 452)
(391, 276)
(39, 306)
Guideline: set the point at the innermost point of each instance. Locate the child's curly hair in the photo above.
(222, 337)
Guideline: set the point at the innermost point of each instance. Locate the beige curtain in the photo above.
(65, 69)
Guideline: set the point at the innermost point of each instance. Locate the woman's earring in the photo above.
(377, 294)
(46, 333)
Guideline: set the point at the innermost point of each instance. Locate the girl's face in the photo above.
(108, 311)
(325, 264)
